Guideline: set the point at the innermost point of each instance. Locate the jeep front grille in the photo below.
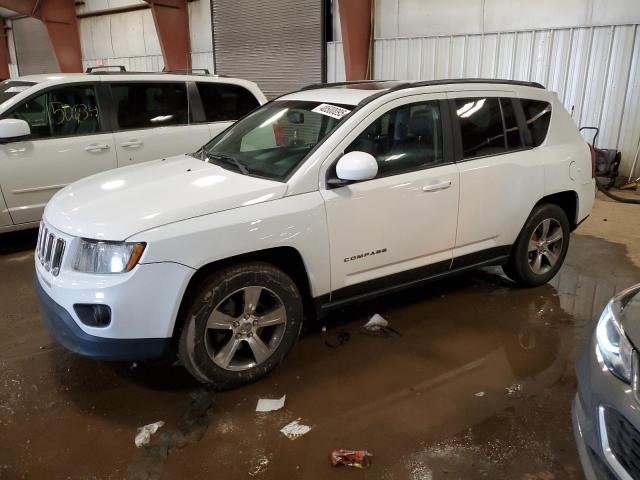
(50, 250)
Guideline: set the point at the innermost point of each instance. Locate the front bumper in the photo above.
(63, 328)
(597, 387)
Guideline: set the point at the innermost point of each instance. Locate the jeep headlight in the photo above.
(615, 347)
(94, 256)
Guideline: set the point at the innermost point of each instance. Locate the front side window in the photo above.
(225, 102)
(146, 105)
(61, 112)
(403, 139)
(537, 114)
(273, 140)
(481, 126)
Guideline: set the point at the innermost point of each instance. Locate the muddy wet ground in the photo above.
(478, 385)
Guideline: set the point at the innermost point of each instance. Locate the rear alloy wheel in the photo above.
(545, 246)
(241, 324)
(540, 248)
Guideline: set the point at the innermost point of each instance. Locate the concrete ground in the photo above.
(477, 385)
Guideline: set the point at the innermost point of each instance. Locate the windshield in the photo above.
(9, 88)
(273, 140)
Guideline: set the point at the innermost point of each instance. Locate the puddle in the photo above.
(410, 399)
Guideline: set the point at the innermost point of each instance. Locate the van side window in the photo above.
(481, 126)
(224, 101)
(537, 114)
(404, 139)
(61, 112)
(153, 104)
(514, 139)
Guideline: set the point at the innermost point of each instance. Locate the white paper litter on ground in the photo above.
(479, 394)
(144, 433)
(295, 429)
(375, 323)
(270, 405)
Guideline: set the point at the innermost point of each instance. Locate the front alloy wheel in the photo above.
(240, 323)
(245, 328)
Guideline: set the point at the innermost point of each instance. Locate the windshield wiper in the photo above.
(229, 159)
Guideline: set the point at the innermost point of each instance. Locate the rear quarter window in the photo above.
(537, 114)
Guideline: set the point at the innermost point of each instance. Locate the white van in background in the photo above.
(58, 128)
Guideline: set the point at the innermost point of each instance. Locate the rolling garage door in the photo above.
(34, 52)
(278, 45)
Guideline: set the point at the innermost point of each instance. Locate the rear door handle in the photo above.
(132, 143)
(96, 146)
(434, 187)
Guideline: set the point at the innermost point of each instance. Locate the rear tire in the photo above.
(240, 324)
(540, 248)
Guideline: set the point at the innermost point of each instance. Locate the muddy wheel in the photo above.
(540, 248)
(241, 323)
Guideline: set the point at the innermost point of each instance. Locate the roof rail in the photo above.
(99, 67)
(497, 81)
(427, 83)
(190, 71)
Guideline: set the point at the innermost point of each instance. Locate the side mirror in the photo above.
(357, 166)
(12, 129)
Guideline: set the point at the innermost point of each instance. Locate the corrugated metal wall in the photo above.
(594, 70)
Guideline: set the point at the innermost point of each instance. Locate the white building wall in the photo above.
(130, 38)
(588, 51)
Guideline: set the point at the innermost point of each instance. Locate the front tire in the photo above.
(540, 248)
(240, 324)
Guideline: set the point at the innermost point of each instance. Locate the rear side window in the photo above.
(225, 101)
(144, 105)
(537, 115)
(481, 126)
(61, 112)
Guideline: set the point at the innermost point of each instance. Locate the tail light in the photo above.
(593, 160)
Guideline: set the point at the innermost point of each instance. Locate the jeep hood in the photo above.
(119, 203)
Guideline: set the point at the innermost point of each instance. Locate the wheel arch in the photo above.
(568, 201)
(286, 258)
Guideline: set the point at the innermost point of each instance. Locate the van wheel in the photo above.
(240, 324)
(540, 248)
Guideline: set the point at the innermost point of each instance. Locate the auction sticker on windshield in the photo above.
(331, 110)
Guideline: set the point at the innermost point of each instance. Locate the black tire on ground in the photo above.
(226, 296)
(521, 265)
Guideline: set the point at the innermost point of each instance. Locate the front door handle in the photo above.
(96, 146)
(132, 143)
(434, 187)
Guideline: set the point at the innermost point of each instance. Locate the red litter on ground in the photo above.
(351, 458)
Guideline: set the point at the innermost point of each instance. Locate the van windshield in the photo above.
(273, 140)
(10, 88)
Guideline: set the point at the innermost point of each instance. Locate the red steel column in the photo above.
(172, 25)
(5, 58)
(356, 23)
(59, 16)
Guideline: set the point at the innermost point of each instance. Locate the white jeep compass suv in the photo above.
(58, 128)
(325, 196)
